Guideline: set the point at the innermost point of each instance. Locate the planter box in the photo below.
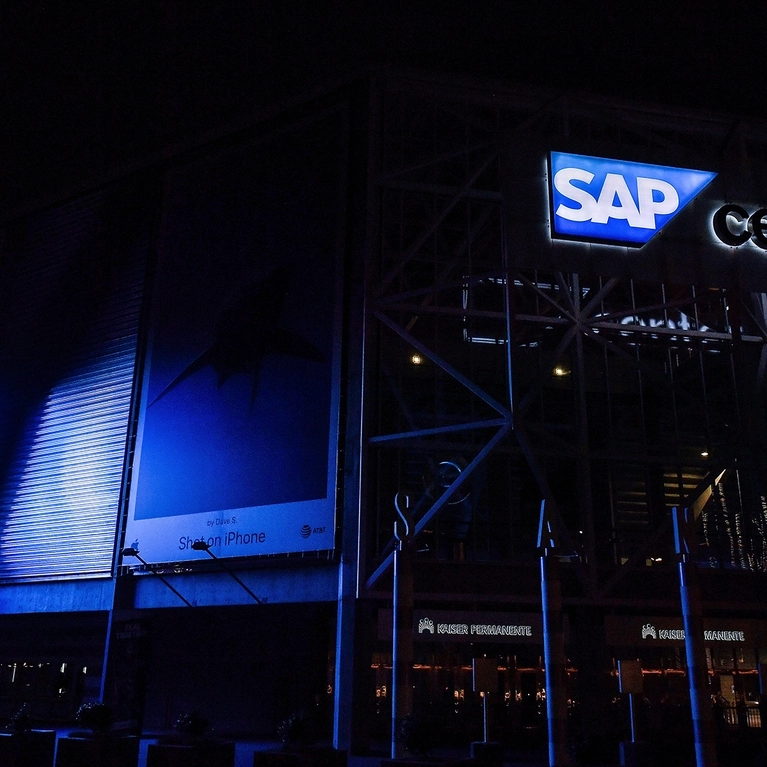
(309, 757)
(276, 759)
(207, 754)
(487, 753)
(34, 748)
(97, 752)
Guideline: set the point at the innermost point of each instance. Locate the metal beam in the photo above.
(408, 255)
(442, 500)
(437, 360)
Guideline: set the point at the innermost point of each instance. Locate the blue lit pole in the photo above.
(402, 632)
(553, 640)
(689, 589)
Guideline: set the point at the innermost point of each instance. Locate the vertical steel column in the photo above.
(553, 640)
(402, 633)
(350, 729)
(345, 656)
(585, 501)
(689, 589)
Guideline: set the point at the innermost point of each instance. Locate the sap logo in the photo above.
(615, 201)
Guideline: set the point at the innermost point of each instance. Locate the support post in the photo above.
(402, 635)
(689, 589)
(107, 644)
(345, 659)
(553, 640)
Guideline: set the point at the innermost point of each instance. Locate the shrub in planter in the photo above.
(418, 734)
(191, 747)
(192, 726)
(96, 717)
(20, 722)
(96, 746)
(22, 746)
(299, 734)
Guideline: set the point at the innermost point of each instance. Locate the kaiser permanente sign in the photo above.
(469, 627)
(640, 632)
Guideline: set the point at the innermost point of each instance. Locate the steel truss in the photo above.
(496, 386)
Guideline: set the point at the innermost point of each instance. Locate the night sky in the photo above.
(90, 89)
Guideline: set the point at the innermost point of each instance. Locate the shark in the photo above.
(247, 331)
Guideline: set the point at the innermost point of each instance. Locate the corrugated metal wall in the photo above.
(71, 293)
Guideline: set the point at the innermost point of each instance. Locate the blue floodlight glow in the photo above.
(58, 514)
(595, 199)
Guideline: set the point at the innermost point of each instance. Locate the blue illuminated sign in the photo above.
(615, 201)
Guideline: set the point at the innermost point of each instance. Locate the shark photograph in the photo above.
(238, 418)
(246, 332)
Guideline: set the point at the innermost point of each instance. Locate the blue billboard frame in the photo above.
(291, 517)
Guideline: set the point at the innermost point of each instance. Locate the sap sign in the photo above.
(614, 201)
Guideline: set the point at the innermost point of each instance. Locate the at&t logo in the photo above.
(307, 530)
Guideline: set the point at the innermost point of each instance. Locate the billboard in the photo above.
(238, 413)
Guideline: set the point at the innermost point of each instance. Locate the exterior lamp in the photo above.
(131, 551)
(201, 545)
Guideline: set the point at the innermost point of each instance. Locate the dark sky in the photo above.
(87, 87)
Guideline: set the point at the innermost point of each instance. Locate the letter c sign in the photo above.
(731, 230)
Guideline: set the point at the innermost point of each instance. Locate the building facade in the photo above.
(224, 372)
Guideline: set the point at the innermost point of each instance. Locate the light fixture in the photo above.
(416, 359)
(704, 454)
(132, 551)
(201, 545)
(560, 371)
(129, 551)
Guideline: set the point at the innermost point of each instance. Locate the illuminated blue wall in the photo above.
(69, 322)
(238, 420)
